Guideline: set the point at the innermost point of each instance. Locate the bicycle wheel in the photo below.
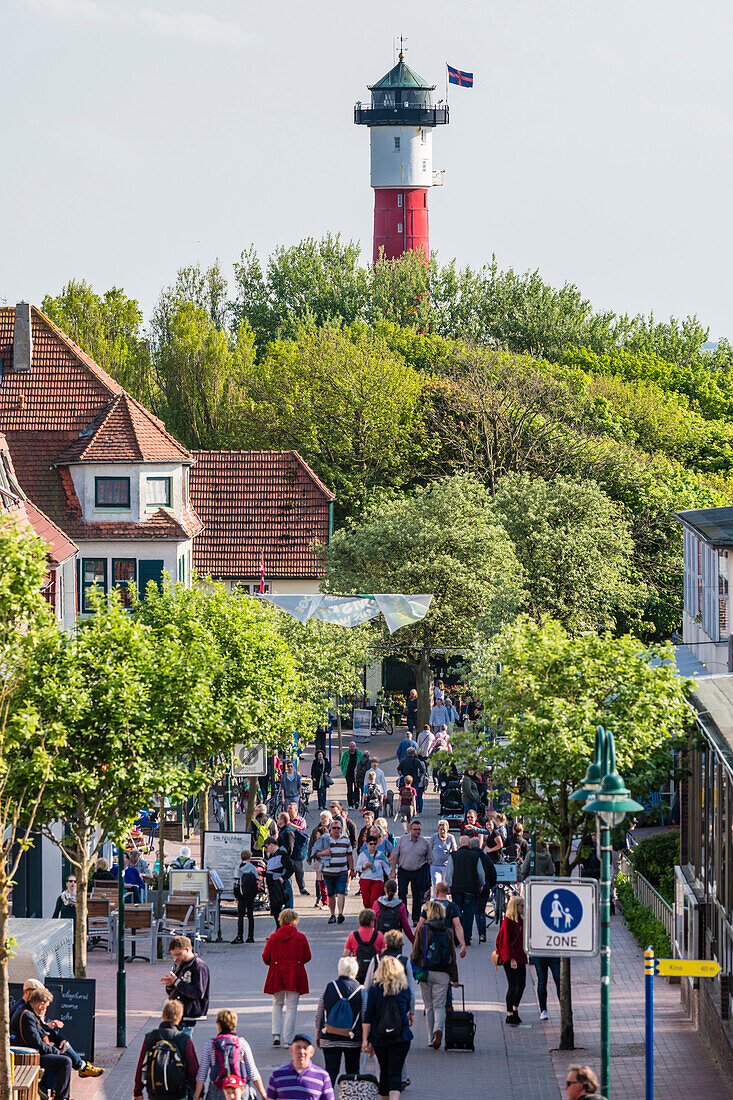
(388, 724)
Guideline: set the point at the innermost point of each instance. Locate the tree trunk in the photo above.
(5, 1082)
(424, 676)
(82, 907)
(251, 800)
(203, 812)
(567, 1034)
(161, 859)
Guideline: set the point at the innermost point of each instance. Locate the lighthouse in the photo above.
(401, 120)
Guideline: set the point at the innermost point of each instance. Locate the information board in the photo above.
(561, 917)
(506, 872)
(362, 723)
(188, 881)
(223, 855)
(73, 1003)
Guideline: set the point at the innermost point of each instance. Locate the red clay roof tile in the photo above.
(258, 500)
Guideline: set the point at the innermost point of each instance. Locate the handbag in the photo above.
(421, 972)
(496, 959)
(327, 781)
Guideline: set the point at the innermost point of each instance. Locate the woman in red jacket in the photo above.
(510, 948)
(286, 953)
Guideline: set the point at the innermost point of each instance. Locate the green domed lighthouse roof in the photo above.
(401, 76)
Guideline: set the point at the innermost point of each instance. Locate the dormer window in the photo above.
(159, 492)
(112, 492)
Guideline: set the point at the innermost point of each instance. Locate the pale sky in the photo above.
(141, 135)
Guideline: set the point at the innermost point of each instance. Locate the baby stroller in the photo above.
(262, 900)
(451, 802)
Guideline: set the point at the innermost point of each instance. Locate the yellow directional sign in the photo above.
(687, 968)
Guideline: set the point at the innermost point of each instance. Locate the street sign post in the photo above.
(249, 760)
(671, 968)
(561, 917)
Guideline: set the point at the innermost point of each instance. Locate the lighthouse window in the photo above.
(396, 143)
(424, 166)
(399, 199)
(424, 136)
(399, 227)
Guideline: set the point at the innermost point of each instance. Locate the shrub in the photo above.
(655, 858)
(641, 922)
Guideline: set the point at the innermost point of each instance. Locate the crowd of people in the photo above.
(423, 897)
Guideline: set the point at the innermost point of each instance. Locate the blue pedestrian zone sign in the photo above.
(561, 917)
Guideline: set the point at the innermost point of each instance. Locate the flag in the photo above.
(262, 571)
(456, 76)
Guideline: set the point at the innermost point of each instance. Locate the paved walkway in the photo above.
(516, 1062)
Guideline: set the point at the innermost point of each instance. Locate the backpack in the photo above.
(365, 952)
(389, 918)
(371, 797)
(390, 1022)
(164, 1071)
(263, 832)
(340, 1019)
(437, 951)
(227, 1058)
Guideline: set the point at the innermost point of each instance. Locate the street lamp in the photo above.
(604, 794)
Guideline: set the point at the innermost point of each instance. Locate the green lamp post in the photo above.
(603, 793)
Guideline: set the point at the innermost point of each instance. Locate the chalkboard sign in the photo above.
(74, 1004)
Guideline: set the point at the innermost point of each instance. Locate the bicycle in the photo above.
(382, 720)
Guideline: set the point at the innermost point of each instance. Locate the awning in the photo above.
(398, 610)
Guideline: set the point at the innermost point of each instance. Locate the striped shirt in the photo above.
(338, 863)
(208, 1061)
(287, 1084)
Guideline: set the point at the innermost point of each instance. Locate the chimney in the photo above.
(23, 338)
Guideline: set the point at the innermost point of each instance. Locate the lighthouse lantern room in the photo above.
(401, 120)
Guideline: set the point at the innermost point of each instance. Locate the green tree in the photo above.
(254, 678)
(575, 548)
(330, 660)
(348, 405)
(200, 370)
(144, 707)
(444, 540)
(30, 739)
(108, 327)
(553, 690)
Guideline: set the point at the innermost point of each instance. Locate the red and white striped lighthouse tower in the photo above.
(401, 120)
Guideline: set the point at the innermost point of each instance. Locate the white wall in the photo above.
(278, 588)
(409, 166)
(84, 476)
(714, 655)
(66, 581)
(51, 870)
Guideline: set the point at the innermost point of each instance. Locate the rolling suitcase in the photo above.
(358, 1086)
(460, 1028)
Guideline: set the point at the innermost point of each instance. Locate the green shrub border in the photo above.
(641, 922)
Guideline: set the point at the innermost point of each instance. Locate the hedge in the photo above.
(641, 922)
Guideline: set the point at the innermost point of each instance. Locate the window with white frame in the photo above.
(245, 589)
(158, 492)
(399, 199)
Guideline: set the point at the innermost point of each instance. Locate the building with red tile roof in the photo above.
(260, 502)
(103, 473)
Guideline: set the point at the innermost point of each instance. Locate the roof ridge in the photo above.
(130, 400)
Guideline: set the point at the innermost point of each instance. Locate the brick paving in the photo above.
(511, 1063)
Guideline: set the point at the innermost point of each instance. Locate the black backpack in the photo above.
(164, 1070)
(365, 952)
(389, 918)
(390, 1022)
(371, 797)
(437, 949)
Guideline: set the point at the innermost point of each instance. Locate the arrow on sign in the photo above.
(687, 968)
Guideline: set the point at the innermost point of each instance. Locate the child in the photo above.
(407, 803)
(321, 895)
